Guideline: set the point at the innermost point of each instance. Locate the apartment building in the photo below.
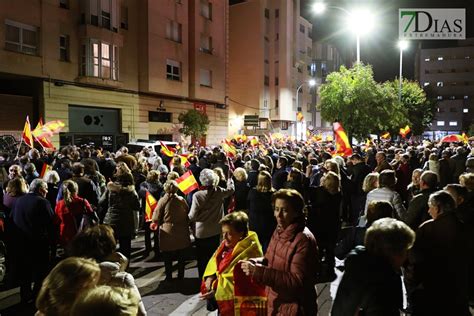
(447, 73)
(326, 59)
(270, 49)
(113, 70)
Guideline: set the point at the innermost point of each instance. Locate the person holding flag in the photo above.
(171, 216)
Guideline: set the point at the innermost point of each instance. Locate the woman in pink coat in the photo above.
(290, 265)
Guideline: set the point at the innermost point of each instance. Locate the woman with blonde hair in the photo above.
(106, 300)
(72, 211)
(324, 219)
(69, 279)
(260, 210)
(52, 179)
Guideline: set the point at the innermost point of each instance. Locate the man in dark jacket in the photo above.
(382, 163)
(280, 175)
(87, 189)
(359, 171)
(417, 212)
(252, 178)
(33, 233)
(459, 163)
(439, 261)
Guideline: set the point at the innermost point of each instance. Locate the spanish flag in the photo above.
(465, 138)
(385, 136)
(343, 147)
(254, 142)
(41, 137)
(45, 169)
(229, 148)
(300, 116)
(48, 129)
(165, 150)
(26, 135)
(187, 183)
(404, 131)
(150, 204)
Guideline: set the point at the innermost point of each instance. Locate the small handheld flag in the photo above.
(150, 206)
(404, 131)
(26, 135)
(45, 169)
(343, 147)
(187, 183)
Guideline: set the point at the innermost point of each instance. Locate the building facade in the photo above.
(447, 73)
(326, 59)
(113, 70)
(270, 49)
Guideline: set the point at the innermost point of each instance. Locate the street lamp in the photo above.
(311, 83)
(402, 45)
(359, 21)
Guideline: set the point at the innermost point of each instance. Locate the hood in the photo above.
(116, 187)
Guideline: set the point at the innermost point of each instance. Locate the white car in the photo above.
(155, 145)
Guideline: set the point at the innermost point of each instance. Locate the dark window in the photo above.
(277, 36)
(64, 4)
(453, 110)
(276, 81)
(266, 81)
(284, 125)
(83, 18)
(95, 20)
(302, 28)
(277, 13)
(164, 117)
(267, 13)
(64, 48)
(106, 20)
(276, 104)
(124, 18)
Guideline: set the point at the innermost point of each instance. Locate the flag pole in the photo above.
(19, 146)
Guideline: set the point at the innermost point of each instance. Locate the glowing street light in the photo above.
(402, 44)
(359, 21)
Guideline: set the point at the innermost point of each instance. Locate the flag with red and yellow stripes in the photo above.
(229, 148)
(165, 150)
(343, 147)
(187, 183)
(300, 116)
(404, 131)
(41, 136)
(26, 135)
(150, 205)
(45, 169)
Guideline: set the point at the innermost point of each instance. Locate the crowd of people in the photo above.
(266, 224)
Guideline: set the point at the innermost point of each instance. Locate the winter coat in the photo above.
(241, 194)
(69, 218)
(171, 213)
(207, 210)
(290, 275)
(123, 204)
(261, 218)
(417, 212)
(370, 284)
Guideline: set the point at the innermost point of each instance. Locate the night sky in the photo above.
(379, 47)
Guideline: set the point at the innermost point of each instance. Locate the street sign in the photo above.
(251, 120)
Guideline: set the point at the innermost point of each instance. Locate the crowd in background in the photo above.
(394, 212)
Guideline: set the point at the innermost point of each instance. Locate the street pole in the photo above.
(400, 77)
(297, 107)
(358, 48)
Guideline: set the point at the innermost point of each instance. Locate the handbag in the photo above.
(87, 219)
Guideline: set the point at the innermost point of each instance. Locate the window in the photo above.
(206, 44)
(302, 28)
(173, 70)
(124, 18)
(276, 104)
(453, 110)
(64, 4)
(284, 125)
(164, 117)
(465, 110)
(427, 59)
(99, 59)
(173, 31)
(277, 81)
(453, 123)
(205, 77)
(466, 97)
(440, 58)
(21, 37)
(277, 36)
(266, 80)
(63, 47)
(439, 84)
(105, 14)
(310, 33)
(277, 13)
(440, 97)
(206, 9)
(440, 123)
(267, 13)
(425, 84)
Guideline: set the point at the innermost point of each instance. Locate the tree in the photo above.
(420, 109)
(195, 123)
(352, 97)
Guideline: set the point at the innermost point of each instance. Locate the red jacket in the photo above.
(290, 276)
(69, 218)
